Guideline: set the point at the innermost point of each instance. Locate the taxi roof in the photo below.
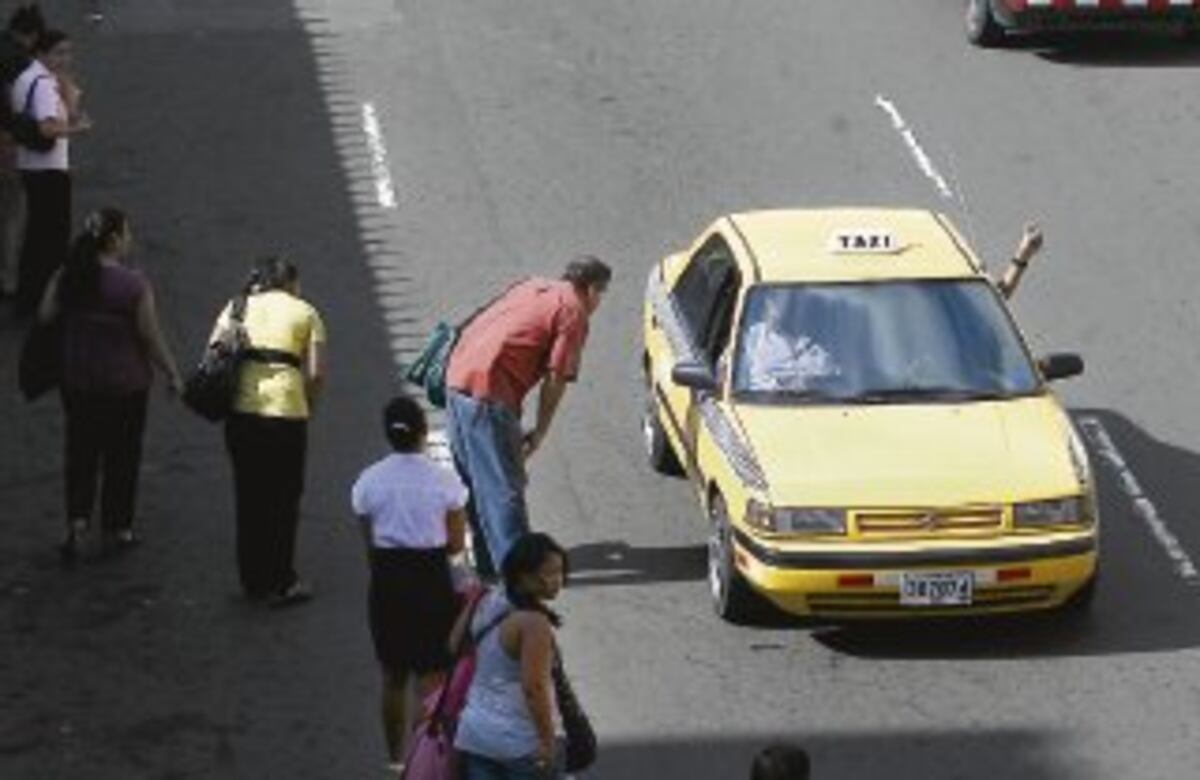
(811, 245)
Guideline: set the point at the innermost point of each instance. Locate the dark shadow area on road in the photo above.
(213, 132)
(619, 563)
(930, 755)
(1112, 49)
(1142, 604)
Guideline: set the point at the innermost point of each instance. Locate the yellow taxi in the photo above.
(861, 418)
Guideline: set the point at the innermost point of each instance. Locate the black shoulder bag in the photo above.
(26, 130)
(581, 737)
(212, 386)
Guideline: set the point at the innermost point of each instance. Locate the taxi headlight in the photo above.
(1061, 511)
(795, 520)
(811, 521)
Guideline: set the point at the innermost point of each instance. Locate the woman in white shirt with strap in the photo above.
(46, 90)
(413, 519)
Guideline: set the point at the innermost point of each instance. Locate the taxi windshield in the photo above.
(879, 342)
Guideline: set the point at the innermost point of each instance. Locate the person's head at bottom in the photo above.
(780, 762)
(534, 570)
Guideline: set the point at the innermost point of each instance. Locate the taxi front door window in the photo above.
(705, 295)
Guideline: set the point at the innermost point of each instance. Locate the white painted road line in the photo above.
(918, 152)
(437, 447)
(1143, 507)
(379, 158)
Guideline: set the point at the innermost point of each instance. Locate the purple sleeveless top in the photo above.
(103, 352)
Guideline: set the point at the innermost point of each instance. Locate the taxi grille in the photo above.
(985, 521)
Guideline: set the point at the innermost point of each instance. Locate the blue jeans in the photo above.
(476, 767)
(486, 442)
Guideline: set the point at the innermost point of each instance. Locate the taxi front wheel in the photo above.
(982, 27)
(1081, 600)
(732, 596)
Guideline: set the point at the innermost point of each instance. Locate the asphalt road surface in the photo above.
(413, 156)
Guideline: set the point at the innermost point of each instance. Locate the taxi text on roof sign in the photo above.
(863, 242)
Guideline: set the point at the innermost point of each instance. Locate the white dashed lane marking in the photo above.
(1143, 507)
(924, 162)
(384, 191)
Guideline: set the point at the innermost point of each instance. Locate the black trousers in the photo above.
(47, 233)
(103, 448)
(268, 455)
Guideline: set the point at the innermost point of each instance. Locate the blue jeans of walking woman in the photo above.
(486, 442)
(477, 767)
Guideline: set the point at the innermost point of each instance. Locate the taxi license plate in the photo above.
(937, 589)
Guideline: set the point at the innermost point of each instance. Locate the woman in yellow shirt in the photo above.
(267, 433)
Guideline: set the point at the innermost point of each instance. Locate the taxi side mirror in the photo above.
(695, 375)
(1061, 365)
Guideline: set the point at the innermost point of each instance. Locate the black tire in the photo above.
(659, 452)
(983, 29)
(1081, 601)
(732, 597)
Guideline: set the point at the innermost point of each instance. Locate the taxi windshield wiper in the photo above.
(900, 394)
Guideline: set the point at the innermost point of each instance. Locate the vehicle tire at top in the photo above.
(732, 597)
(983, 29)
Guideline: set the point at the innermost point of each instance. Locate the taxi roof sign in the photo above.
(864, 242)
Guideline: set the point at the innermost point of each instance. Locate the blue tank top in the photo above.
(496, 722)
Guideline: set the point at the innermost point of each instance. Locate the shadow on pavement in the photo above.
(929, 755)
(1142, 604)
(214, 131)
(619, 563)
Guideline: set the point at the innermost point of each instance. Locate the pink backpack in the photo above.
(431, 756)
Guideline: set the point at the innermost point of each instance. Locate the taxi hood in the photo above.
(912, 454)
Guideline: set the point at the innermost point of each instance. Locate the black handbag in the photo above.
(581, 737)
(210, 388)
(39, 369)
(26, 130)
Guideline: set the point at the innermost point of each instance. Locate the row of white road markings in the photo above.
(1093, 429)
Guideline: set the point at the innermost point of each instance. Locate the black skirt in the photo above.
(412, 606)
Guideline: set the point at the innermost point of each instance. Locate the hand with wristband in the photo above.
(1031, 243)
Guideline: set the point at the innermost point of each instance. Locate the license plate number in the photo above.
(937, 589)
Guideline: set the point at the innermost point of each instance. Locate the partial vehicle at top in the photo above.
(862, 422)
(989, 22)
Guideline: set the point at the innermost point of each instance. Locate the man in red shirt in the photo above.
(533, 334)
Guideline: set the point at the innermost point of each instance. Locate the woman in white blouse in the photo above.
(413, 519)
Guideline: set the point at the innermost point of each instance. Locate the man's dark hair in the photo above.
(27, 20)
(588, 271)
(780, 762)
(404, 424)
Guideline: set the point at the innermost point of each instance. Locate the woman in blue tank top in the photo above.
(508, 729)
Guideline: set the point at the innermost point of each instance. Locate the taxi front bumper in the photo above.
(1033, 17)
(866, 584)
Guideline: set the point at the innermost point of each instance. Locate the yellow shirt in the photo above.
(276, 320)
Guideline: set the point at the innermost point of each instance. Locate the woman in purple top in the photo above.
(111, 337)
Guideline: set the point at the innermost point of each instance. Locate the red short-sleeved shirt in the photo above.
(537, 327)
